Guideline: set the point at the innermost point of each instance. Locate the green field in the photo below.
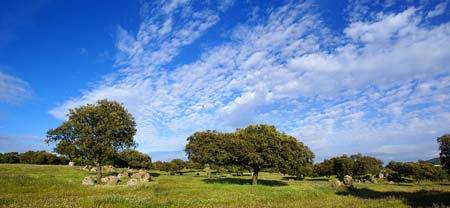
(59, 186)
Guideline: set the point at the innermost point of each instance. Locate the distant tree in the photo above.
(157, 165)
(417, 170)
(176, 165)
(364, 165)
(10, 157)
(134, 159)
(343, 165)
(325, 168)
(208, 148)
(444, 155)
(97, 131)
(165, 166)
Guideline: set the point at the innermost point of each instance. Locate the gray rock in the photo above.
(142, 176)
(87, 168)
(123, 175)
(133, 182)
(348, 180)
(88, 180)
(110, 180)
(336, 184)
(71, 163)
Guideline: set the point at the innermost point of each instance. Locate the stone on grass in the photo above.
(123, 176)
(109, 169)
(142, 176)
(94, 169)
(348, 180)
(71, 163)
(133, 182)
(87, 168)
(111, 180)
(336, 184)
(88, 180)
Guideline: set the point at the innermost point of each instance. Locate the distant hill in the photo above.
(434, 161)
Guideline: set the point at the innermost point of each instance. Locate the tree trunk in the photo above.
(255, 176)
(99, 172)
(209, 173)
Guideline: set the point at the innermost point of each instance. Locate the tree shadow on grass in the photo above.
(155, 175)
(242, 181)
(422, 198)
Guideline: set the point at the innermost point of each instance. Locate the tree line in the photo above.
(103, 133)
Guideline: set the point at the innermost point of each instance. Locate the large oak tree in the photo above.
(256, 147)
(96, 132)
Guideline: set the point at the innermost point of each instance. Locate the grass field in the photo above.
(59, 186)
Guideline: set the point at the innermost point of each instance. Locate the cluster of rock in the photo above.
(106, 169)
(347, 182)
(133, 177)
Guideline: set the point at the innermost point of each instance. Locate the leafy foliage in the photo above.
(420, 170)
(95, 132)
(357, 165)
(33, 157)
(256, 146)
(133, 159)
(444, 155)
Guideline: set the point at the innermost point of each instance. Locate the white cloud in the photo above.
(13, 90)
(438, 10)
(371, 86)
(22, 143)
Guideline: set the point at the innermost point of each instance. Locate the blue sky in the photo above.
(343, 77)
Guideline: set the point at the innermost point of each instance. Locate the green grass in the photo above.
(59, 186)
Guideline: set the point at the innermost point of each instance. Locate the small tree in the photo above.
(97, 131)
(343, 165)
(364, 165)
(134, 159)
(444, 155)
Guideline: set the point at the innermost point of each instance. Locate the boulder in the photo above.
(87, 168)
(336, 184)
(94, 169)
(142, 176)
(88, 180)
(348, 180)
(133, 182)
(391, 182)
(109, 169)
(71, 163)
(111, 180)
(124, 175)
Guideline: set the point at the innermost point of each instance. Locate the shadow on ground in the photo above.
(155, 174)
(422, 198)
(242, 181)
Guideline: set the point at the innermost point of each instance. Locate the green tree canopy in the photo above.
(364, 165)
(256, 146)
(134, 159)
(96, 131)
(444, 155)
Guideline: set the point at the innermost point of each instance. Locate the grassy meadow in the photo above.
(59, 186)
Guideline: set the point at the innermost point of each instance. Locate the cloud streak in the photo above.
(365, 86)
(13, 90)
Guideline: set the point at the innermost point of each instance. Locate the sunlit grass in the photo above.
(59, 186)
